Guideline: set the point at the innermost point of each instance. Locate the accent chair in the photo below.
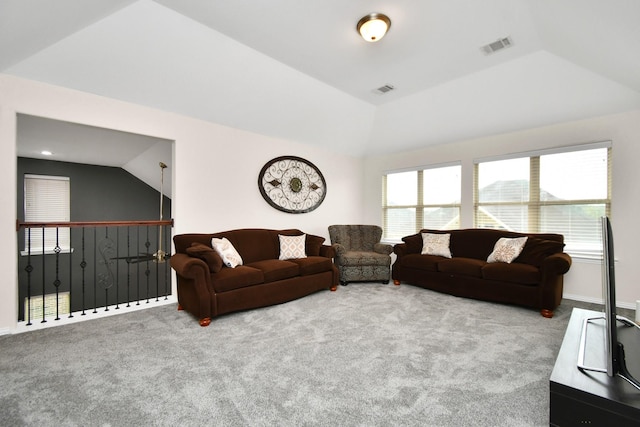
(360, 256)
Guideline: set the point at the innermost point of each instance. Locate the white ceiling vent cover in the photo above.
(384, 89)
(497, 45)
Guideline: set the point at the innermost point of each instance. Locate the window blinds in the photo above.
(46, 199)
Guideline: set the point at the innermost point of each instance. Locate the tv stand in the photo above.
(618, 350)
(579, 398)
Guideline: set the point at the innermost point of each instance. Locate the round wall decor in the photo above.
(292, 184)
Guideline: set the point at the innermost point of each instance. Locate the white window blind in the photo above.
(417, 199)
(563, 192)
(46, 199)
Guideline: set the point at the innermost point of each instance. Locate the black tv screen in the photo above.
(609, 288)
(615, 357)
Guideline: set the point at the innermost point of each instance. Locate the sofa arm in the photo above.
(400, 249)
(383, 248)
(327, 251)
(557, 263)
(188, 266)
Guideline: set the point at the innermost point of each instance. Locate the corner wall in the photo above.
(583, 282)
(214, 178)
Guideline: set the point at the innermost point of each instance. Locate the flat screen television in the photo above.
(614, 350)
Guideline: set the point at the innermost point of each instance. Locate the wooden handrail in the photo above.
(72, 224)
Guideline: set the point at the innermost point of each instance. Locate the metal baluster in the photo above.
(56, 282)
(147, 270)
(95, 269)
(83, 266)
(166, 265)
(29, 270)
(128, 266)
(70, 273)
(157, 261)
(117, 268)
(106, 264)
(138, 269)
(44, 320)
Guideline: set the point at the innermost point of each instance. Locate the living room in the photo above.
(216, 160)
(207, 153)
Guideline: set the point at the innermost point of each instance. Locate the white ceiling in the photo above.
(139, 155)
(298, 69)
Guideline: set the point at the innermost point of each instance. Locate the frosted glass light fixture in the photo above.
(373, 26)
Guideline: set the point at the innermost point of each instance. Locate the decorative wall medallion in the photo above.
(292, 184)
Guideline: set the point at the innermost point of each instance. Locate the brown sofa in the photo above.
(533, 279)
(207, 288)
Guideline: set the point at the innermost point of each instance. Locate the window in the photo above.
(417, 199)
(562, 191)
(46, 199)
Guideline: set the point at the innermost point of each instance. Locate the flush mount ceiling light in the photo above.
(373, 26)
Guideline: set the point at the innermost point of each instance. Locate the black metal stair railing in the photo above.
(101, 265)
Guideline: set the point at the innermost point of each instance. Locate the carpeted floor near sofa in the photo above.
(366, 355)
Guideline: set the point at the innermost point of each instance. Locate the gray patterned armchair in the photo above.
(360, 257)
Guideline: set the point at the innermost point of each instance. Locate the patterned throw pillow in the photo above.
(506, 250)
(227, 252)
(292, 247)
(436, 244)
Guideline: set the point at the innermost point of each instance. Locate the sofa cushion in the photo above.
(226, 250)
(536, 250)
(275, 269)
(207, 254)
(436, 244)
(463, 266)
(359, 258)
(313, 265)
(524, 274)
(506, 249)
(421, 262)
(242, 276)
(292, 247)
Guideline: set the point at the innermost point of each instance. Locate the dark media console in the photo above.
(593, 398)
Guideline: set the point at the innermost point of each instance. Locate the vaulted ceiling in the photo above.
(299, 70)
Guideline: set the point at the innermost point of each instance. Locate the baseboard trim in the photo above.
(628, 305)
(77, 316)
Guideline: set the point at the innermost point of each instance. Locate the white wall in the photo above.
(215, 170)
(583, 282)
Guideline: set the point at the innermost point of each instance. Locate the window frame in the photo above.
(59, 237)
(534, 205)
(420, 206)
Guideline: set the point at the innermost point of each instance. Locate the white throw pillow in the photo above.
(506, 250)
(292, 247)
(230, 257)
(436, 244)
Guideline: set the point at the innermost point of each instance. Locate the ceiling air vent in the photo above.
(497, 45)
(384, 89)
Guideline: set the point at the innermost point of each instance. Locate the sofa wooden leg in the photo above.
(546, 313)
(333, 288)
(396, 282)
(205, 321)
(180, 307)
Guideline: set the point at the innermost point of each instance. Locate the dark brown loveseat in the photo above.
(533, 279)
(207, 288)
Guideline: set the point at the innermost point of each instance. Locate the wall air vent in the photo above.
(384, 89)
(497, 45)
